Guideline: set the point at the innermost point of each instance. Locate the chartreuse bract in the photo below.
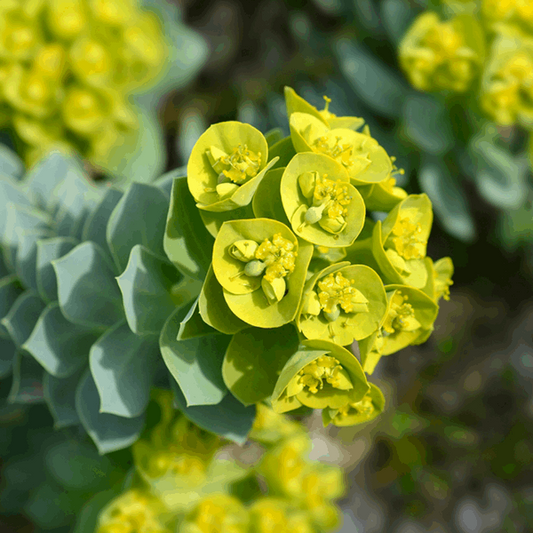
(231, 297)
(181, 483)
(77, 75)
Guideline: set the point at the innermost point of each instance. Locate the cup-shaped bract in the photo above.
(505, 93)
(355, 413)
(296, 104)
(439, 278)
(442, 55)
(261, 267)
(399, 244)
(226, 166)
(319, 375)
(342, 303)
(133, 506)
(216, 513)
(362, 156)
(320, 202)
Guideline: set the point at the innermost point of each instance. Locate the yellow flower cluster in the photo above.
(278, 255)
(67, 68)
(298, 497)
(491, 41)
(336, 290)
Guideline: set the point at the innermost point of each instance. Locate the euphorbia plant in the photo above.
(251, 280)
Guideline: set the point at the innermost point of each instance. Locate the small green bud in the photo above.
(307, 182)
(333, 315)
(333, 225)
(274, 290)
(314, 214)
(254, 268)
(244, 250)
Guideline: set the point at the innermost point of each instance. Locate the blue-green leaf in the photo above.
(123, 366)
(95, 226)
(49, 250)
(426, 123)
(187, 243)
(10, 290)
(76, 465)
(26, 259)
(7, 356)
(10, 192)
(501, 178)
(229, 419)
(19, 219)
(87, 520)
(193, 325)
(194, 363)
(75, 198)
(23, 316)
(448, 198)
(254, 360)
(60, 396)
(146, 287)
(166, 181)
(138, 218)
(109, 432)
(10, 163)
(377, 85)
(27, 380)
(61, 347)
(47, 174)
(88, 292)
(396, 16)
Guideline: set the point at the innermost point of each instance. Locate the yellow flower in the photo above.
(436, 55)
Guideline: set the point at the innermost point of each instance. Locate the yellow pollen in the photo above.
(407, 239)
(324, 369)
(401, 316)
(241, 165)
(335, 290)
(279, 256)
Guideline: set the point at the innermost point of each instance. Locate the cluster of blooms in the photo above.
(185, 487)
(67, 68)
(294, 244)
(487, 43)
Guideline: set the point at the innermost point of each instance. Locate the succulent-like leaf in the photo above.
(194, 363)
(10, 290)
(49, 250)
(123, 366)
(59, 346)
(229, 419)
(75, 198)
(95, 225)
(147, 291)
(10, 163)
(23, 316)
(26, 258)
(47, 174)
(60, 396)
(7, 356)
(109, 432)
(19, 219)
(138, 218)
(193, 325)
(27, 380)
(284, 151)
(187, 243)
(254, 359)
(10, 193)
(88, 292)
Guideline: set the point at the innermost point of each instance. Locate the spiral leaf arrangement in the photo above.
(259, 295)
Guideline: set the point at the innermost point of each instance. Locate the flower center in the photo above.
(348, 155)
(364, 407)
(407, 238)
(401, 316)
(325, 369)
(237, 167)
(336, 290)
